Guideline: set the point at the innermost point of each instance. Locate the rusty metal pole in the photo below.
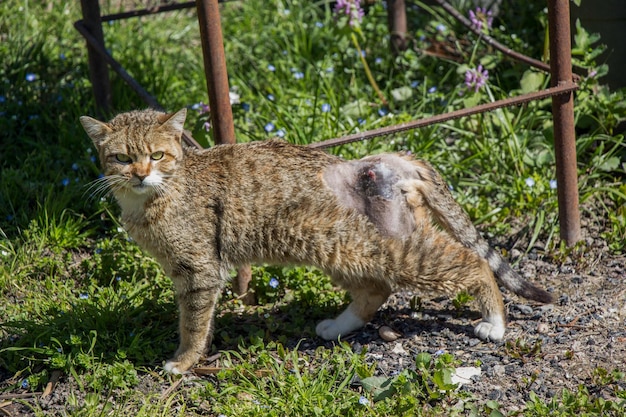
(98, 69)
(215, 70)
(563, 116)
(396, 21)
(219, 101)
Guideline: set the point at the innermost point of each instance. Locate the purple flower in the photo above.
(481, 19)
(203, 108)
(352, 9)
(476, 78)
(274, 282)
(206, 126)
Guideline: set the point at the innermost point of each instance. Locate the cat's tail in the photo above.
(432, 191)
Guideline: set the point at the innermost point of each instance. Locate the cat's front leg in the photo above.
(196, 302)
(366, 301)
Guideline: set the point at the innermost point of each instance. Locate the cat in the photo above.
(375, 225)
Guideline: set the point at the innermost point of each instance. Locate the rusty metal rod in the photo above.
(564, 126)
(396, 21)
(215, 70)
(457, 114)
(219, 102)
(98, 71)
(100, 50)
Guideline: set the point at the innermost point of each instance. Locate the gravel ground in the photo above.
(547, 347)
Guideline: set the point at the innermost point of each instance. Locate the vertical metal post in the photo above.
(215, 70)
(396, 21)
(98, 69)
(563, 116)
(219, 101)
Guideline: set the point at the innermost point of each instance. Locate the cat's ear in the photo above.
(173, 123)
(96, 130)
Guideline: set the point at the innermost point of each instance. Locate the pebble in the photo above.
(542, 328)
(524, 309)
(388, 334)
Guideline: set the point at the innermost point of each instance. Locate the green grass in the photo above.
(79, 297)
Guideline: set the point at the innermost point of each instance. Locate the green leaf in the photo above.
(531, 81)
(609, 164)
(381, 387)
(422, 360)
(402, 93)
(356, 109)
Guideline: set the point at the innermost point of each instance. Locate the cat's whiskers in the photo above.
(103, 185)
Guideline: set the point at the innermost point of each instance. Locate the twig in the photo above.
(212, 370)
(54, 378)
(18, 396)
(6, 412)
(172, 388)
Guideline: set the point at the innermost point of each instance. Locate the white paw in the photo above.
(327, 329)
(344, 323)
(172, 368)
(490, 331)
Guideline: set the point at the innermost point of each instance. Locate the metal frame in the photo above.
(560, 68)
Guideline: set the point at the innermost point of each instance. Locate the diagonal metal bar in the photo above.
(564, 88)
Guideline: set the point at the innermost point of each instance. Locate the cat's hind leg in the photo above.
(488, 296)
(365, 303)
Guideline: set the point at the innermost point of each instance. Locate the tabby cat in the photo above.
(375, 225)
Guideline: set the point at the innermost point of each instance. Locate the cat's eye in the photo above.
(157, 155)
(123, 158)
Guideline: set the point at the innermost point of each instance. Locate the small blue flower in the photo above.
(131, 334)
(553, 184)
(441, 27)
(62, 56)
(3, 99)
(432, 89)
(30, 77)
(530, 182)
(330, 70)
(325, 108)
(270, 97)
(364, 401)
(98, 250)
(195, 106)
(319, 24)
(92, 158)
(65, 182)
(378, 60)
(440, 352)
(274, 282)
(415, 84)
(118, 278)
(280, 133)
(83, 296)
(363, 53)
(10, 217)
(360, 120)
(25, 384)
(382, 112)
(269, 127)
(75, 166)
(245, 106)
(298, 75)
(271, 67)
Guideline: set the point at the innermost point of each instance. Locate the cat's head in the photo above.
(138, 150)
